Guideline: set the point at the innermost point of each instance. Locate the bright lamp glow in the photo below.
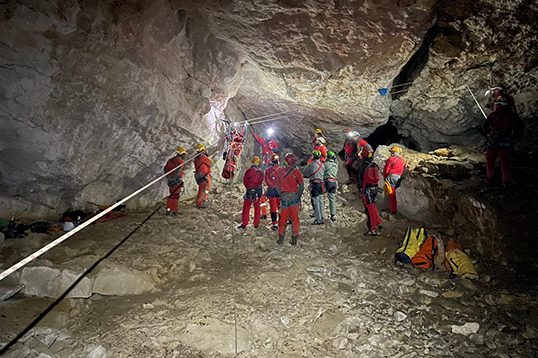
(350, 134)
(270, 131)
(235, 124)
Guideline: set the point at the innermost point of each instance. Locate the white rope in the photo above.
(269, 120)
(478, 104)
(269, 115)
(67, 235)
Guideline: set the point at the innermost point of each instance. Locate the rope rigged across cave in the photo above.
(67, 235)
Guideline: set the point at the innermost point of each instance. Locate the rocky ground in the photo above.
(169, 291)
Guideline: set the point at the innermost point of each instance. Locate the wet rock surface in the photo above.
(337, 294)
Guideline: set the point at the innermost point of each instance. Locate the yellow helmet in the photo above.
(318, 131)
(396, 150)
(256, 160)
(181, 151)
(200, 148)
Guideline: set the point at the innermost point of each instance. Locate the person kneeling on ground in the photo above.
(331, 171)
(289, 185)
(316, 172)
(368, 185)
(252, 181)
(175, 180)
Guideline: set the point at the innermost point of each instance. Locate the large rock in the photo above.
(115, 280)
(45, 281)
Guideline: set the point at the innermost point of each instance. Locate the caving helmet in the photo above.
(321, 140)
(316, 154)
(396, 150)
(355, 134)
(318, 131)
(256, 160)
(275, 158)
(331, 155)
(290, 159)
(181, 151)
(200, 148)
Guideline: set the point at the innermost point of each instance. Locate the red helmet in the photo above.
(347, 131)
(290, 159)
(275, 158)
(362, 143)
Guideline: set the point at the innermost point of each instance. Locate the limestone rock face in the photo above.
(118, 281)
(96, 96)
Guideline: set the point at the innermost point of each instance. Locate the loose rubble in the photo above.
(337, 294)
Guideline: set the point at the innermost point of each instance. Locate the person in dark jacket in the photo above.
(499, 128)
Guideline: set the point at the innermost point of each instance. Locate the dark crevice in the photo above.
(411, 70)
(387, 134)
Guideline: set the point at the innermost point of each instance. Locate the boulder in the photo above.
(466, 329)
(116, 280)
(45, 281)
(9, 286)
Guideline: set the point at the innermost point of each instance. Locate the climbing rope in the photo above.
(67, 235)
(478, 104)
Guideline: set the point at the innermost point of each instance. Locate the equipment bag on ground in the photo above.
(425, 257)
(460, 265)
(411, 244)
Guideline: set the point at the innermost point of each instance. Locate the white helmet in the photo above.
(321, 140)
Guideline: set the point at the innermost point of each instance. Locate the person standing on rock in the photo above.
(289, 186)
(331, 172)
(269, 147)
(252, 181)
(202, 174)
(392, 172)
(315, 172)
(351, 154)
(175, 180)
(368, 184)
(499, 128)
(270, 179)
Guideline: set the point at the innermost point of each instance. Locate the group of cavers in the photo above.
(285, 184)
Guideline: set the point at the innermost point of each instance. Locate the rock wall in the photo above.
(97, 95)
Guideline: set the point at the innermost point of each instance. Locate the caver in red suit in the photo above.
(175, 180)
(202, 174)
(252, 181)
(271, 174)
(368, 184)
(392, 172)
(269, 147)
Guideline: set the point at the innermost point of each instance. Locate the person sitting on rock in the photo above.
(252, 181)
(331, 184)
(392, 172)
(289, 186)
(368, 184)
(175, 180)
(270, 179)
(202, 174)
(315, 171)
(499, 128)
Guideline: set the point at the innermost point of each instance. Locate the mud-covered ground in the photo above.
(337, 294)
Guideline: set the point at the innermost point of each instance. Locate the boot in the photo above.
(175, 213)
(333, 217)
(318, 222)
(168, 212)
(280, 240)
(242, 226)
(274, 227)
(294, 240)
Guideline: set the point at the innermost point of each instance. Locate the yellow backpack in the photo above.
(411, 244)
(460, 265)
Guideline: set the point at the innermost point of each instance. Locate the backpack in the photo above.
(413, 239)
(458, 263)
(425, 257)
(405, 173)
